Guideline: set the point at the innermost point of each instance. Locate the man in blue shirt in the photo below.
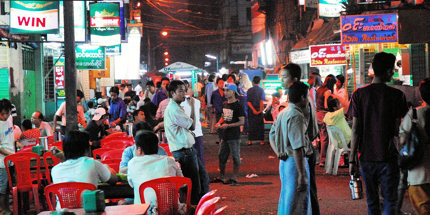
(118, 109)
(162, 94)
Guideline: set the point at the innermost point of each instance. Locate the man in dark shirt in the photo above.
(217, 101)
(376, 110)
(255, 99)
(162, 94)
(96, 128)
(232, 118)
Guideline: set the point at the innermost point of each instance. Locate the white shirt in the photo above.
(7, 140)
(83, 169)
(45, 129)
(187, 109)
(176, 125)
(138, 88)
(62, 112)
(141, 169)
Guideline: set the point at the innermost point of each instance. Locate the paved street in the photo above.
(260, 195)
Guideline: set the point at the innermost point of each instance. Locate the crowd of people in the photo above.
(231, 105)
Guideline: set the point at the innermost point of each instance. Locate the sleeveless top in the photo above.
(320, 98)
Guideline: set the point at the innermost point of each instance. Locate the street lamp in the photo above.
(213, 58)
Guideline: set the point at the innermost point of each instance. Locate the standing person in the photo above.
(314, 84)
(138, 88)
(323, 93)
(217, 100)
(117, 110)
(232, 118)
(178, 128)
(44, 127)
(419, 176)
(245, 83)
(210, 87)
(255, 112)
(150, 90)
(7, 147)
(340, 92)
(289, 74)
(61, 112)
(162, 93)
(376, 111)
(289, 141)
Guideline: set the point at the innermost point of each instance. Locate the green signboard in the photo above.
(4, 83)
(113, 50)
(90, 57)
(105, 24)
(33, 17)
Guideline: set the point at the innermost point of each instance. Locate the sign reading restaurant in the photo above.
(325, 55)
(90, 57)
(105, 24)
(375, 28)
(33, 17)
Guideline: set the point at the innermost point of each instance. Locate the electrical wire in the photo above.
(173, 18)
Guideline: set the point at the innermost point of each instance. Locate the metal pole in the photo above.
(70, 69)
(148, 40)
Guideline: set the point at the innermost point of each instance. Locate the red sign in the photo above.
(327, 55)
(59, 77)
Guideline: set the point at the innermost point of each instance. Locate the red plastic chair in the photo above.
(99, 152)
(113, 163)
(24, 177)
(68, 194)
(220, 211)
(117, 143)
(207, 196)
(208, 208)
(115, 154)
(166, 190)
(27, 149)
(58, 145)
(166, 148)
(48, 156)
(117, 134)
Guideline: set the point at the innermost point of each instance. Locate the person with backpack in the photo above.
(419, 172)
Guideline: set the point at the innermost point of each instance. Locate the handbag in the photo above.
(412, 152)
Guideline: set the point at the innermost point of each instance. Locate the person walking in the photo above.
(255, 99)
(376, 111)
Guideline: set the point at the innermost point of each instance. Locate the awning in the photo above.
(323, 32)
(179, 67)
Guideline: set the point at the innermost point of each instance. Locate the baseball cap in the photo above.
(99, 113)
(232, 87)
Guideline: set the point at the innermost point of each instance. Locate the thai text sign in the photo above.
(59, 74)
(34, 17)
(105, 24)
(327, 55)
(369, 29)
(90, 57)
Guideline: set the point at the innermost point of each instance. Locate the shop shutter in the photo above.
(48, 75)
(418, 63)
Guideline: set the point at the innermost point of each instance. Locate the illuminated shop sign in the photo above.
(327, 55)
(105, 24)
(369, 29)
(33, 17)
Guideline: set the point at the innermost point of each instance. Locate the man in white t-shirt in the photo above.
(44, 127)
(7, 147)
(78, 167)
(141, 167)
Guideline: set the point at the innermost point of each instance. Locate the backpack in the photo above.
(412, 152)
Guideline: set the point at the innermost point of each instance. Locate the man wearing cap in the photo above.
(96, 128)
(229, 124)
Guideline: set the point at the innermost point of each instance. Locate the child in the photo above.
(336, 117)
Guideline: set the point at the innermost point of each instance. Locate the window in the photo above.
(48, 76)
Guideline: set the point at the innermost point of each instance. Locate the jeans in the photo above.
(224, 152)
(385, 175)
(198, 146)
(3, 181)
(192, 168)
(313, 186)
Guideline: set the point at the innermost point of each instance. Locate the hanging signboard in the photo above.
(330, 8)
(375, 28)
(79, 22)
(113, 50)
(326, 55)
(300, 57)
(59, 74)
(4, 83)
(34, 17)
(105, 24)
(90, 57)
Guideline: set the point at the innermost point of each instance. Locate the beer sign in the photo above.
(382, 28)
(34, 17)
(326, 55)
(105, 24)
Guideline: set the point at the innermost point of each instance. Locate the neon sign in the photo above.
(369, 29)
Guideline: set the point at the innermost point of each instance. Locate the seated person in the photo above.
(78, 167)
(97, 127)
(129, 152)
(29, 134)
(336, 117)
(44, 127)
(142, 166)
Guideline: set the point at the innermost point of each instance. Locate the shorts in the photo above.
(3, 180)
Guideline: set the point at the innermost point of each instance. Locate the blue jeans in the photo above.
(3, 181)
(385, 175)
(227, 146)
(198, 146)
(192, 168)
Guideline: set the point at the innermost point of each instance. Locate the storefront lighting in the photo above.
(263, 53)
(269, 52)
